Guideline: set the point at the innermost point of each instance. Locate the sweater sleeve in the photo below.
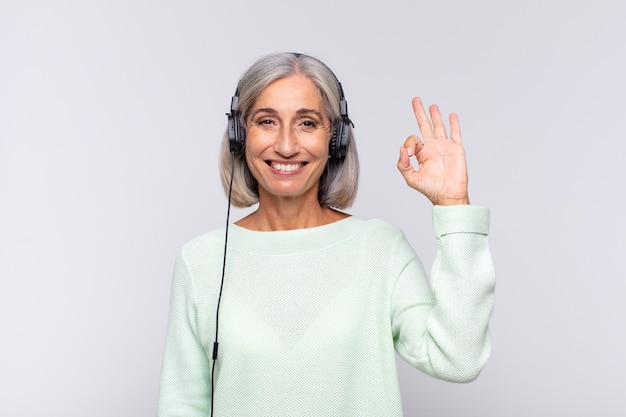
(442, 328)
(185, 388)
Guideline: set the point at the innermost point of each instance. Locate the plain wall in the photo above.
(111, 113)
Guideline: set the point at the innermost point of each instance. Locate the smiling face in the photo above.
(287, 139)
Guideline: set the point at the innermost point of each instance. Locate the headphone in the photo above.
(337, 148)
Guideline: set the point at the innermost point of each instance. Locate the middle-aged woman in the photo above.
(314, 302)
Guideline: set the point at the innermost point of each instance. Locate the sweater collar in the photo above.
(293, 241)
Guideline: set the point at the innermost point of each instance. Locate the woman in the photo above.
(315, 301)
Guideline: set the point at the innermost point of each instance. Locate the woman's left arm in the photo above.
(442, 327)
(448, 336)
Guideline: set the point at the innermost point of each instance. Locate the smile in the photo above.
(286, 167)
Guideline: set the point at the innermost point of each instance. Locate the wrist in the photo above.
(452, 202)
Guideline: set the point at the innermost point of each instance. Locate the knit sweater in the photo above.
(310, 318)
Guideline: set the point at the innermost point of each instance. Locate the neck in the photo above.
(291, 213)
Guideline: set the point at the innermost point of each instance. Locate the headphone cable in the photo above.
(219, 299)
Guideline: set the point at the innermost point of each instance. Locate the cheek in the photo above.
(254, 148)
(253, 142)
(252, 162)
(251, 155)
(321, 146)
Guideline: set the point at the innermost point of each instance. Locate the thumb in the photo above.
(404, 161)
(410, 148)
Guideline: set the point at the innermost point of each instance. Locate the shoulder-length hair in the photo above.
(339, 181)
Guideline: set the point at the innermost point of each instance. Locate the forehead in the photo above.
(296, 91)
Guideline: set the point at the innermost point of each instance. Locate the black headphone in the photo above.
(338, 146)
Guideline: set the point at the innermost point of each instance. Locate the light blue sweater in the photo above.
(310, 318)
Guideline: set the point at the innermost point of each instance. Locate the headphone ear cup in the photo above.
(339, 139)
(236, 134)
(241, 135)
(333, 141)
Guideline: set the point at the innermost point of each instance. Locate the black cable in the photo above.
(219, 298)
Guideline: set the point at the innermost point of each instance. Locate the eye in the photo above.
(308, 125)
(266, 123)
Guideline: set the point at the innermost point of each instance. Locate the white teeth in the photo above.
(286, 167)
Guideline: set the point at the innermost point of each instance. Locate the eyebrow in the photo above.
(298, 112)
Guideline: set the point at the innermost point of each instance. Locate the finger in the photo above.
(422, 119)
(455, 128)
(439, 126)
(413, 144)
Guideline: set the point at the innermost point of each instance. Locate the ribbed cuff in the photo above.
(460, 219)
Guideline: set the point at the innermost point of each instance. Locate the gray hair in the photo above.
(339, 181)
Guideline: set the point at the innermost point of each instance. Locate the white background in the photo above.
(111, 113)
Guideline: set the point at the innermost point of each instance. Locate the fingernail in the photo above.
(409, 151)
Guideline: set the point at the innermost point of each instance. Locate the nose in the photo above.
(287, 143)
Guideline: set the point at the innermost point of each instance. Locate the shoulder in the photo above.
(379, 226)
(382, 226)
(380, 242)
(378, 232)
(203, 244)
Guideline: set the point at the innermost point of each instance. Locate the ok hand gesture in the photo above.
(442, 171)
